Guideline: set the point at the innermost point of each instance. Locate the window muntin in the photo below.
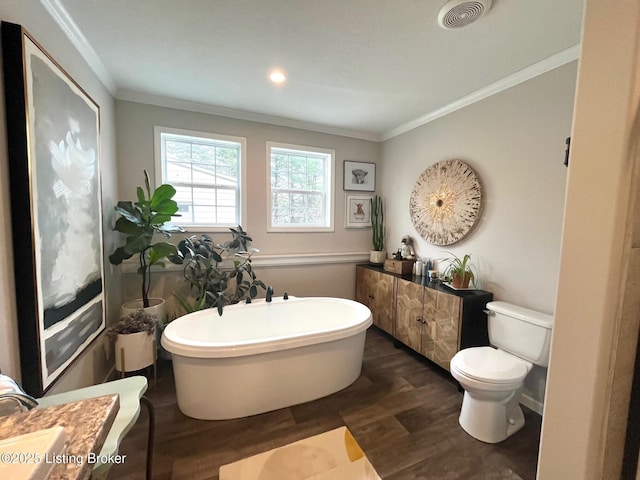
(206, 170)
(300, 188)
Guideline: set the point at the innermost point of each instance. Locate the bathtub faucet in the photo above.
(269, 294)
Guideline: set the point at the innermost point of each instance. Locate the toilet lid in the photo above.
(489, 365)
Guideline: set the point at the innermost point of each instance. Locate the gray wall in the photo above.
(311, 275)
(93, 366)
(515, 142)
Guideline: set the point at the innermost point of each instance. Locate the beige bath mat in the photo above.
(333, 455)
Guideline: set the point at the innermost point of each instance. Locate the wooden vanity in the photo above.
(430, 318)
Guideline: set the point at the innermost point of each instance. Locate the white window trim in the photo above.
(159, 174)
(332, 193)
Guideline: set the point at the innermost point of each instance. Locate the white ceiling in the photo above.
(365, 68)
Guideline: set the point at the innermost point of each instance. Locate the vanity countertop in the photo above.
(87, 423)
(424, 281)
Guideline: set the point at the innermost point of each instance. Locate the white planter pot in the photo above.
(135, 351)
(157, 309)
(377, 256)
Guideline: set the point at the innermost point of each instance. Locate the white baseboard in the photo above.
(535, 405)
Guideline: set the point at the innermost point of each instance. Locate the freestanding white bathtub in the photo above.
(263, 356)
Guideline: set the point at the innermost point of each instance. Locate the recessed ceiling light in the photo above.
(277, 77)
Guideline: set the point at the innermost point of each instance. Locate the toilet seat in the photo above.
(488, 365)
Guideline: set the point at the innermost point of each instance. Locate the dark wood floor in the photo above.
(403, 411)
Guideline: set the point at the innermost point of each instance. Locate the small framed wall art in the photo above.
(357, 213)
(359, 176)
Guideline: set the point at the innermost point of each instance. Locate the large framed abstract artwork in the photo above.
(53, 132)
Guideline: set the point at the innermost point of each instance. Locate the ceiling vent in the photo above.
(460, 13)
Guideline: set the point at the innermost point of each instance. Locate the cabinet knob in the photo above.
(418, 319)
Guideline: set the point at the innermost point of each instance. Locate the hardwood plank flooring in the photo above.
(403, 411)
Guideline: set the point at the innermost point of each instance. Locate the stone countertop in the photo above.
(425, 282)
(87, 423)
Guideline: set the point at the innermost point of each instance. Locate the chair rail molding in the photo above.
(275, 260)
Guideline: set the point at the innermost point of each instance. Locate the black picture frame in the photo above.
(53, 136)
(359, 176)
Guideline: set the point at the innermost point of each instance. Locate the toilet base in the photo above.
(491, 420)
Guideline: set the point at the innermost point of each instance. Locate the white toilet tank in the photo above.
(520, 331)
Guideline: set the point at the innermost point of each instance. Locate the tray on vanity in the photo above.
(468, 289)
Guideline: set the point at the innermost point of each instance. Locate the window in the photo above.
(300, 188)
(206, 170)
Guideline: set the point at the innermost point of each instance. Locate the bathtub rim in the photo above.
(196, 349)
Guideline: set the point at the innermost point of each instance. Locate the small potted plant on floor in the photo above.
(140, 221)
(378, 254)
(460, 271)
(218, 274)
(135, 341)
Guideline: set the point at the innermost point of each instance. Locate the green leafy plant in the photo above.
(135, 322)
(377, 223)
(460, 270)
(218, 274)
(139, 221)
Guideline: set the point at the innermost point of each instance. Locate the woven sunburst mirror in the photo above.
(446, 202)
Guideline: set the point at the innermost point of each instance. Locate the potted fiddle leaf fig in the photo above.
(378, 254)
(140, 221)
(218, 274)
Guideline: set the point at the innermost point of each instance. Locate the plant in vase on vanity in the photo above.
(135, 341)
(140, 221)
(378, 254)
(460, 271)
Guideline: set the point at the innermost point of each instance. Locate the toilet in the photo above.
(492, 377)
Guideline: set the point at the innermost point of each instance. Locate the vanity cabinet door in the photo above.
(428, 319)
(375, 290)
(409, 313)
(440, 337)
(429, 308)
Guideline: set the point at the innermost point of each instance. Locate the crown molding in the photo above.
(168, 102)
(73, 32)
(550, 63)
(75, 35)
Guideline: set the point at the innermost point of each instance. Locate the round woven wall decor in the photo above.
(446, 202)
